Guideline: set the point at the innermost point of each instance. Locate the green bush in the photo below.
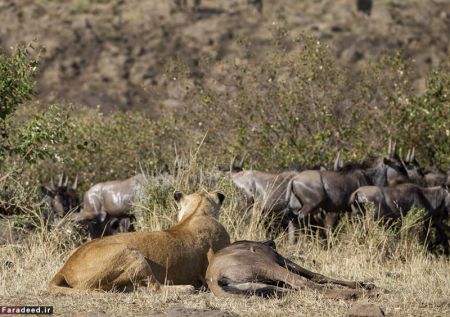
(299, 104)
(17, 78)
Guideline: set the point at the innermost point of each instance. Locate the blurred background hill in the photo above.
(118, 54)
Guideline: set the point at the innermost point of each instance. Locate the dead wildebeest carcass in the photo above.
(392, 203)
(255, 268)
(61, 199)
(330, 191)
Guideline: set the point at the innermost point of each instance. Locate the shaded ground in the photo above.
(115, 53)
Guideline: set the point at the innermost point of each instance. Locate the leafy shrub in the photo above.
(298, 104)
(17, 78)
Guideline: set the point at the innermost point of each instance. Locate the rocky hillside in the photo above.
(117, 53)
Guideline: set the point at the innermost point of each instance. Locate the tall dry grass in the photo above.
(414, 282)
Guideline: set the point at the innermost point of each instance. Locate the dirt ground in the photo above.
(116, 53)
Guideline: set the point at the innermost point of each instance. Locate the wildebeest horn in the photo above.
(241, 163)
(337, 161)
(232, 163)
(403, 164)
(407, 159)
(66, 181)
(75, 183)
(52, 182)
(60, 180)
(389, 147)
(413, 154)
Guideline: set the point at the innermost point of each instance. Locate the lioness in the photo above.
(179, 255)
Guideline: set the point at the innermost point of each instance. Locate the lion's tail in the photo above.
(59, 285)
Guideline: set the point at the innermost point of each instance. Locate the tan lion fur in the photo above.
(176, 256)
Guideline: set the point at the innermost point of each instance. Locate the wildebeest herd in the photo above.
(394, 186)
(196, 252)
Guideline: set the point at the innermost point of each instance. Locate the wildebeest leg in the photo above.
(441, 238)
(322, 279)
(291, 231)
(281, 275)
(330, 221)
(292, 223)
(255, 288)
(305, 210)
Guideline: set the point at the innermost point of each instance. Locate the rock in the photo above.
(179, 311)
(365, 310)
(364, 6)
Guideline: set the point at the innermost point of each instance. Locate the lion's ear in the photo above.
(177, 196)
(221, 197)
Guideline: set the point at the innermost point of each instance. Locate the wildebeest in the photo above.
(61, 199)
(106, 206)
(419, 177)
(269, 189)
(310, 191)
(108, 227)
(437, 178)
(413, 168)
(256, 268)
(396, 202)
(113, 198)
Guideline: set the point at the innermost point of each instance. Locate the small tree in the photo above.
(17, 79)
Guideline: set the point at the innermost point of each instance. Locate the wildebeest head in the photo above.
(108, 227)
(389, 169)
(413, 168)
(61, 198)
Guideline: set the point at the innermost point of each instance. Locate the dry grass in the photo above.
(415, 283)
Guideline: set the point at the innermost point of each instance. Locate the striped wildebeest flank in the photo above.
(112, 198)
(107, 206)
(311, 191)
(256, 268)
(269, 190)
(392, 203)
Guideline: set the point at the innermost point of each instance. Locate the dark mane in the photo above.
(233, 168)
(355, 165)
